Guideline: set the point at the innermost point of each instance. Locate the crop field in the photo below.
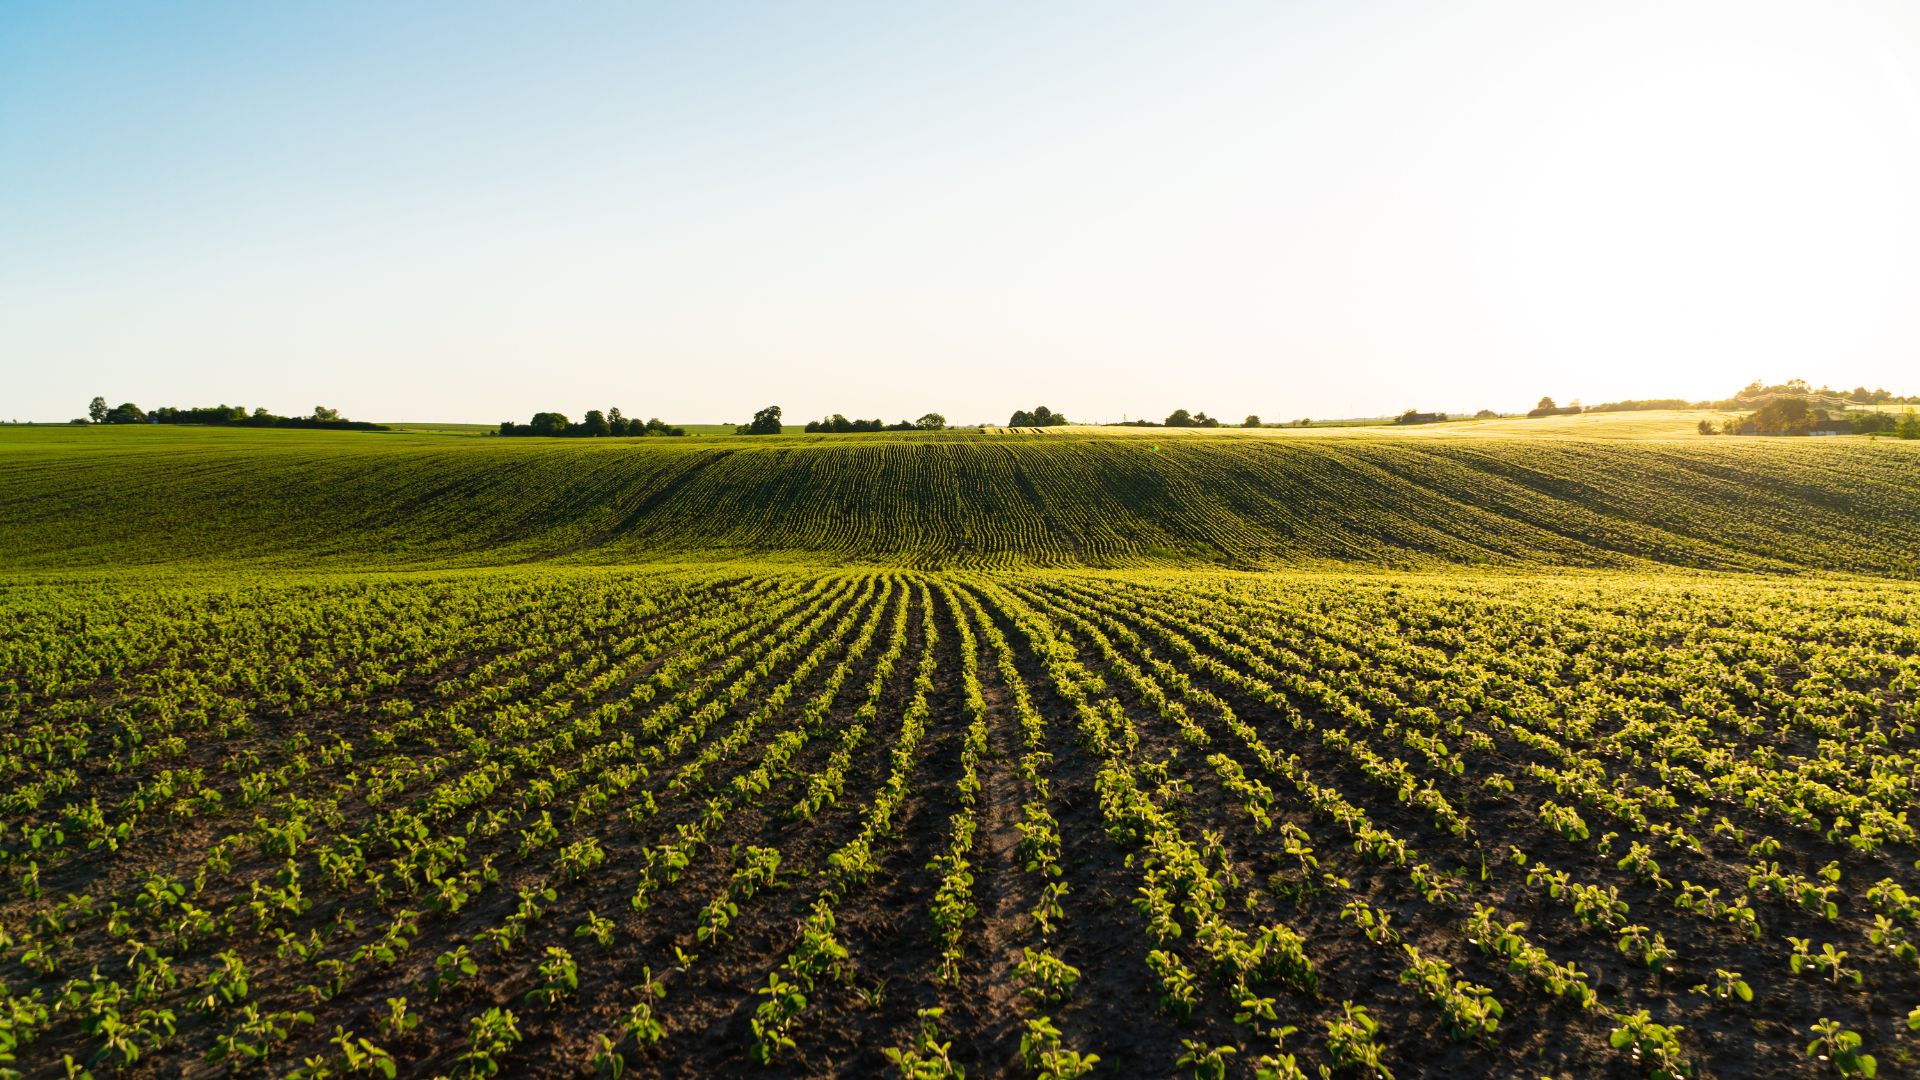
(326, 754)
(700, 822)
(87, 499)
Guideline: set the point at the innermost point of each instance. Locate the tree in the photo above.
(765, 422)
(1180, 418)
(97, 410)
(933, 421)
(549, 423)
(1040, 417)
(1707, 428)
(126, 413)
(595, 425)
(321, 412)
(1910, 425)
(1873, 423)
(1546, 403)
(1251, 421)
(1786, 416)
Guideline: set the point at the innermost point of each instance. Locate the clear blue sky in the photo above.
(469, 211)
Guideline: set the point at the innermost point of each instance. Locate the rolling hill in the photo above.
(1478, 495)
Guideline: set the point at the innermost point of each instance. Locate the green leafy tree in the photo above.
(126, 413)
(1910, 425)
(595, 425)
(97, 410)
(1252, 420)
(549, 423)
(933, 421)
(1786, 416)
(1040, 417)
(1180, 418)
(765, 422)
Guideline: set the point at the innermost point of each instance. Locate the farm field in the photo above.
(696, 819)
(1619, 788)
(1223, 542)
(87, 499)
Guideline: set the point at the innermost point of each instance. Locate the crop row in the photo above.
(1037, 824)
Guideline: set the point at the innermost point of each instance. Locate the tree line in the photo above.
(1039, 417)
(838, 423)
(1754, 395)
(596, 425)
(220, 416)
(767, 422)
(1805, 416)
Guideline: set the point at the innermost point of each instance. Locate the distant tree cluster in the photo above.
(1785, 415)
(1415, 416)
(1040, 417)
(838, 423)
(553, 425)
(221, 415)
(1885, 423)
(765, 422)
(1183, 418)
(1642, 405)
(1753, 396)
(1757, 392)
(1548, 408)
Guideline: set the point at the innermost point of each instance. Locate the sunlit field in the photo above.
(337, 752)
(92, 498)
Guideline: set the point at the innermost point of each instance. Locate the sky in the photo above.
(472, 211)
